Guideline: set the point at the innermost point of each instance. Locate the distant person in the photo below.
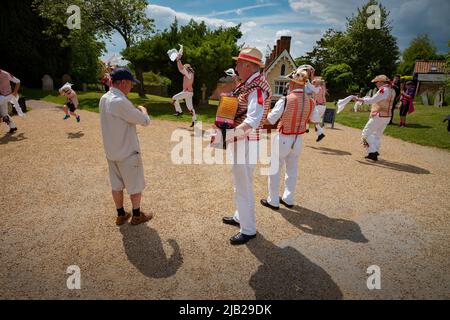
(396, 86)
(188, 90)
(407, 99)
(71, 105)
(380, 116)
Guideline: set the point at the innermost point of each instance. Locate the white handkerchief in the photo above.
(173, 53)
(342, 103)
(230, 72)
(15, 102)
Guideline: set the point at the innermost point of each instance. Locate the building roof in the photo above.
(430, 66)
(284, 54)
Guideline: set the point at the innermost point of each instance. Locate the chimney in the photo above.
(285, 44)
(278, 48)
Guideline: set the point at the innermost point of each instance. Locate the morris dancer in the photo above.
(380, 115)
(71, 103)
(254, 96)
(320, 108)
(295, 114)
(188, 91)
(6, 96)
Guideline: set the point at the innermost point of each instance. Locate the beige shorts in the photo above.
(127, 174)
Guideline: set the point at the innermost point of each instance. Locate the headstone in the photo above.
(425, 98)
(204, 88)
(438, 99)
(329, 117)
(47, 83)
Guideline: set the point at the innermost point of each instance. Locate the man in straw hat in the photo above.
(254, 97)
(380, 115)
(188, 91)
(295, 112)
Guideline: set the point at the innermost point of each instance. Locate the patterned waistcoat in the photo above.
(243, 92)
(384, 107)
(296, 114)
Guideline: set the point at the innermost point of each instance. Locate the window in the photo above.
(283, 70)
(279, 87)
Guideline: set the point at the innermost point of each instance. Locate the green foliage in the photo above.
(368, 52)
(420, 48)
(209, 52)
(26, 51)
(339, 78)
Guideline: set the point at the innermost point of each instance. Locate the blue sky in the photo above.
(264, 21)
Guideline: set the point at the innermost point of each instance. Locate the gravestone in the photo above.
(329, 117)
(204, 88)
(47, 83)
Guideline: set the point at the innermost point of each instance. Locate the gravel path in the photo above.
(56, 211)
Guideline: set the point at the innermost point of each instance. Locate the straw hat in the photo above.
(252, 55)
(381, 78)
(299, 76)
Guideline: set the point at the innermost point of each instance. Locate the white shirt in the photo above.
(5, 79)
(310, 89)
(379, 96)
(255, 111)
(278, 110)
(118, 119)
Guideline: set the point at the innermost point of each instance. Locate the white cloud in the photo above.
(164, 16)
(240, 11)
(285, 32)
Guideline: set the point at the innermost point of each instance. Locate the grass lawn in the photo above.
(425, 125)
(158, 107)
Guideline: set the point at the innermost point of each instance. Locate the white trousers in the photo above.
(317, 116)
(243, 185)
(187, 96)
(373, 131)
(4, 110)
(288, 157)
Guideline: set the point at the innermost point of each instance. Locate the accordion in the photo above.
(225, 116)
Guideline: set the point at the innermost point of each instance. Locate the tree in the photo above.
(209, 52)
(371, 51)
(368, 52)
(420, 48)
(26, 51)
(104, 17)
(339, 78)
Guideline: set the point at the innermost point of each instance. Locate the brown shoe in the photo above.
(143, 218)
(121, 220)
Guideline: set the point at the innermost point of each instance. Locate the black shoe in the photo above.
(12, 130)
(320, 137)
(372, 156)
(265, 203)
(178, 114)
(377, 154)
(285, 204)
(193, 124)
(231, 221)
(240, 239)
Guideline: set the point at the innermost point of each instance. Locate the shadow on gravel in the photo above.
(8, 138)
(320, 225)
(287, 274)
(144, 249)
(396, 166)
